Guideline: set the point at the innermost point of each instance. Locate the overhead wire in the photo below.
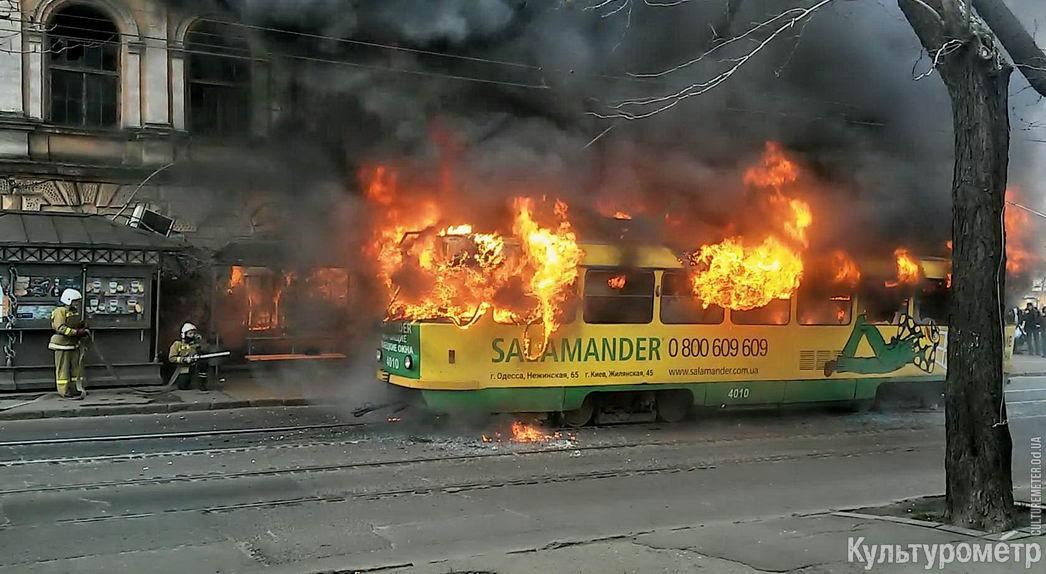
(226, 50)
(296, 57)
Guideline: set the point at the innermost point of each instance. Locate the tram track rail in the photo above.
(393, 463)
(471, 486)
(173, 435)
(699, 438)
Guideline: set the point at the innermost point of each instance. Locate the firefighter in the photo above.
(67, 342)
(184, 353)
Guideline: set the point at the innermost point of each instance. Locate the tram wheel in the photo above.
(673, 405)
(581, 416)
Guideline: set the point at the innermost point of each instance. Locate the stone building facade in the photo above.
(104, 102)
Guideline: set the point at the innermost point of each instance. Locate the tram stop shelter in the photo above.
(115, 267)
(275, 301)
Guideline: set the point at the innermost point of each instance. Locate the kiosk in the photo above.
(115, 267)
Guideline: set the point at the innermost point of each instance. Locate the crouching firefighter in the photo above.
(185, 354)
(68, 343)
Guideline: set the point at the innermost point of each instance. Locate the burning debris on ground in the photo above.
(522, 432)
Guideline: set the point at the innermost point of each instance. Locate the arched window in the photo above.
(83, 47)
(219, 79)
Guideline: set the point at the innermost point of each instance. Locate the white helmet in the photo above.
(188, 327)
(70, 295)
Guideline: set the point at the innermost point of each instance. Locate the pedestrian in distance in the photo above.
(1042, 328)
(1014, 317)
(69, 344)
(1031, 323)
(185, 353)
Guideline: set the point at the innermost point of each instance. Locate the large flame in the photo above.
(552, 256)
(775, 170)
(741, 274)
(434, 271)
(907, 268)
(846, 270)
(1017, 224)
(740, 277)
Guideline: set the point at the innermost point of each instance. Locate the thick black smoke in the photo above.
(512, 113)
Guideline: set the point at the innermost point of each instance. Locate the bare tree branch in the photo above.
(1019, 44)
(639, 108)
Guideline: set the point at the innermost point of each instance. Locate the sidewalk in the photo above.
(238, 391)
(1028, 365)
(815, 543)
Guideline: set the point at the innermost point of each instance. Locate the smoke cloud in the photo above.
(510, 113)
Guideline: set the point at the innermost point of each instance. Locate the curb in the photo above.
(157, 408)
(1017, 534)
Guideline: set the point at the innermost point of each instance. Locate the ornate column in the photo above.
(176, 53)
(131, 78)
(11, 80)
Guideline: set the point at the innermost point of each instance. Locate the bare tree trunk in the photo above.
(979, 448)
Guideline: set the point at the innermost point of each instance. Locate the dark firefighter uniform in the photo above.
(67, 344)
(183, 354)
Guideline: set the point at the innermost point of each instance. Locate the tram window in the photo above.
(775, 312)
(618, 296)
(931, 302)
(821, 308)
(680, 306)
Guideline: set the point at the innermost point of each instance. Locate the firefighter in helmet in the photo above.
(184, 354)
(67, 342)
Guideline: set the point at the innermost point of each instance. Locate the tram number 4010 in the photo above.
(739, 393)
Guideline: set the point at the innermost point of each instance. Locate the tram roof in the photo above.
(929, 267)
(614, 255)
(660, 257)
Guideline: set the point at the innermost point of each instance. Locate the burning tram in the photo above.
(635, 340)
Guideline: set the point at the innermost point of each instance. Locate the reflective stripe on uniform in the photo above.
(57, 347)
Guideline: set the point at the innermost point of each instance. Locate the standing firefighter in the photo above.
(184, 353)
(67, 342)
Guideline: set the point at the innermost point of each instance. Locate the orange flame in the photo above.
(235, 277)
(846, 270)
(622, 215)
(524, 433)
(776, 170)
(740, 277)
(617, 282)
(457, 274)
(801, 219)
(739, 274)
(907, 268)
(1017, 225)
(552, 257)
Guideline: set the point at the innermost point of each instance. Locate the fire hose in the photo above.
(145, 391)
(174, 376)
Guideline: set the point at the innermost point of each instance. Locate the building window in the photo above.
(680, 306)
(775, 312)
(619, 296)
(83, 47)
(219, 79)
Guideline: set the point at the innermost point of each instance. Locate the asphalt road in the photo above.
(302, 490)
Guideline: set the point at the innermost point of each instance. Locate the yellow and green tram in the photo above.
(649, 346)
